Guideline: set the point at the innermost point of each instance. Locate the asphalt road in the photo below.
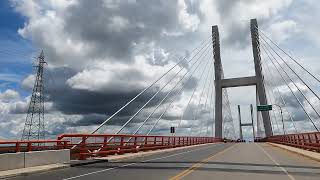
(243, 161)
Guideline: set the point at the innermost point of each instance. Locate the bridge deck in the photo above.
(215, 161)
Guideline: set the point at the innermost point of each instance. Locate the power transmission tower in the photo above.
(34, 128)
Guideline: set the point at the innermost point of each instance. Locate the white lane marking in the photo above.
(108, 169)
(282, 168)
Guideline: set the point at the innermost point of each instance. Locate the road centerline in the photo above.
(197, 165)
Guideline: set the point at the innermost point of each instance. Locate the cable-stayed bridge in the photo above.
(202, 143)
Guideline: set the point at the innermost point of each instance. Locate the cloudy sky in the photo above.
(101, 53)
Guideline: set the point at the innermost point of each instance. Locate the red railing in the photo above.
(32, 145)
(308, 141)
(88, 145)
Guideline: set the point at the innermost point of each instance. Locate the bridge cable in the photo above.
(177, 92)
(148, 87)
(268, 93)
(295, 84)
(168, 106)
(292, 70)
(210, 107)
(166, 96)
(199, 102)
(207, 94)
(280, 95)
(288, 55)
(133, 116)
(290, 88)
(123, 126)
(273, 84)
(190, 99)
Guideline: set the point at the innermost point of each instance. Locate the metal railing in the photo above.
(32, 145)
(92, 145)
(308, 141)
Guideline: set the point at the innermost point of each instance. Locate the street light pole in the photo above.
(284, 132)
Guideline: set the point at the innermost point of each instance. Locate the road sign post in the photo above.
(172, 130)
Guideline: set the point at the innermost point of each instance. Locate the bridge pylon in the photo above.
(257, 80)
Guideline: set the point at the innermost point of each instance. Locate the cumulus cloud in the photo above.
(98, 61)
(9, 95)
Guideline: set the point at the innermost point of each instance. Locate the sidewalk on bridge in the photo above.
(309, 154)
(30, 170)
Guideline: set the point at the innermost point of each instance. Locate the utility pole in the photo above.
(34, 128)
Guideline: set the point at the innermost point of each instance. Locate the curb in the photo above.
(93, 161)
(31, 171)
(302, 152)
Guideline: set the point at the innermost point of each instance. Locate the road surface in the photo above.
(242, 161)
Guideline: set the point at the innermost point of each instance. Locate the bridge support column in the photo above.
(218, 77)
(261, 93)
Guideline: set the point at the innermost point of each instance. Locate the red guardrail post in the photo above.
(29, 146)
(146, 140)
(105, 141)
(162, 141)
(135, 141)
(300, 139)
(317, 140)
(303, 140)
(83, 143)
(17, 147)
(121, 141)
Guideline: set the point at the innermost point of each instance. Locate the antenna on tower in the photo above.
(34, 128)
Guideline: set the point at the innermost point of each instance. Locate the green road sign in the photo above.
(264, 107)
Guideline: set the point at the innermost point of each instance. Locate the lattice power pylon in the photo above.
(34, 128)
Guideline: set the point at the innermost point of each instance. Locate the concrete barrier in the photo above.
(35, 158)
(11, 161)
(38, 158)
